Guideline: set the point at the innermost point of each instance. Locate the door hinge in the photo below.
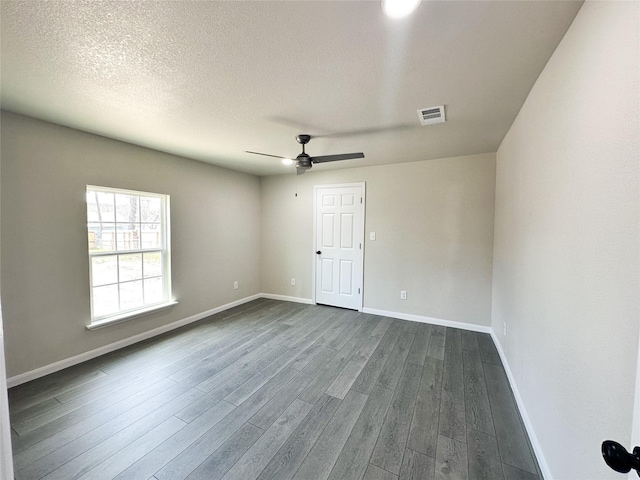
(360, 199)
(358, 291)
(360, 246)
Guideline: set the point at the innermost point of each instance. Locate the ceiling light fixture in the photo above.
(399, 8)
(287, 161)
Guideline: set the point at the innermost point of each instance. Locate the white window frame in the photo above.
(164, 250)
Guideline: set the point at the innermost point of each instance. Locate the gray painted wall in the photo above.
(434, 235)
(215, 235)
(565, 276)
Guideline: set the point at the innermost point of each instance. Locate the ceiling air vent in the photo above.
(431, 115)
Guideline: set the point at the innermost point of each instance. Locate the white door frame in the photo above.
(635, 430)
(6, 458)
(364, 218)
(635, 417)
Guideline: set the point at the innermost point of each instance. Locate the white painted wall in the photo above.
(565, 274)
(215, 220)
(434, 235)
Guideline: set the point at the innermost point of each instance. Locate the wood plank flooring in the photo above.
(276, 390)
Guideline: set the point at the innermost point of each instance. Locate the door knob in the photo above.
(619, 459)
(319, 252)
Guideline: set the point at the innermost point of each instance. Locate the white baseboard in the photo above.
(83, 357)
(546, 473)
(542, 463)
(286, 298)
(431, 320)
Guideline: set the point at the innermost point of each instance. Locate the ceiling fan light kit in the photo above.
(304, 161)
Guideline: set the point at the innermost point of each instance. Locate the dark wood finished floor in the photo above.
(277, 390)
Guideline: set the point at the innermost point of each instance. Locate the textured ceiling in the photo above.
(209, 80)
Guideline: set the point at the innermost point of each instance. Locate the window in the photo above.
(129, 254)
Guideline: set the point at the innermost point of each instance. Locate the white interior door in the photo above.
(339, 222)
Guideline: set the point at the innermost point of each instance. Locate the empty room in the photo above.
(379, 240)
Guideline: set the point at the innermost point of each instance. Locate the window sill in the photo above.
(105, 322)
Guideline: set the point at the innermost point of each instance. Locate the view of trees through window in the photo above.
(127, 249)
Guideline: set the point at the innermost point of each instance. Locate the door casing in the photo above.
(362, 186)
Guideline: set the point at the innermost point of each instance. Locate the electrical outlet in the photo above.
(235, 285)
(504, 328)
(293, 282)
(403, 294)
(372, 235)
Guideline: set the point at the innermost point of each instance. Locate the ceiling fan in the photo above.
(304, 162)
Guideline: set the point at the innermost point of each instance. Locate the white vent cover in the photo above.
(431, 115)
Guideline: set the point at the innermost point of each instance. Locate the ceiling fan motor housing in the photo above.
(303, 161)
